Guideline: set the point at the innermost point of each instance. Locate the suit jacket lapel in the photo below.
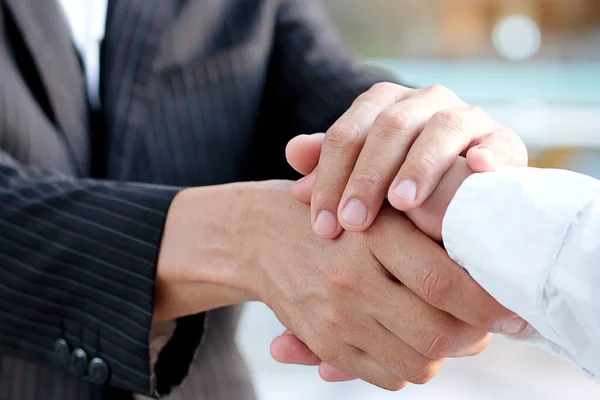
(48, 37)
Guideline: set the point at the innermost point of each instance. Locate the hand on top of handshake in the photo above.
(391, 304)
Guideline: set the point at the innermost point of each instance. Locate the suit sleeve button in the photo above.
(98, 371)
(79, 362)
(61, 353)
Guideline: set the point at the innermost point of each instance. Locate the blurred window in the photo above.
(532, 64)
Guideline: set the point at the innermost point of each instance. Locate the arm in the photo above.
(314, 73)
(90, 272)
(530, 237)
(313, 79)
(78, 260)
(78, 263)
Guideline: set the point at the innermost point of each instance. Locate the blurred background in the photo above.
(534, 65)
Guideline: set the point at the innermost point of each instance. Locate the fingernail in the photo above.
(513, 325)
(406, 189)
(355, 212)
(325, 224)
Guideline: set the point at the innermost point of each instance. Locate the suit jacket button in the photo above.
(61, 353)
(79, 361)
(98, 371)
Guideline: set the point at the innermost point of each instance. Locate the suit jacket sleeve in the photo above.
(313, 79)
(318, 76)
(77, 262)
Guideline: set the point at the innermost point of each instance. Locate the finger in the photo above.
(341, 147)
(303, 152)
(302, 189)
(332, 374)
(399, 358)
(445, 136)
(429, 331)
(429, 216)
(288, 349)
(497, 149)
(425, 268)
(357, 363)
(385, 149)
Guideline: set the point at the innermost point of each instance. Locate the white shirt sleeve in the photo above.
(531, 238)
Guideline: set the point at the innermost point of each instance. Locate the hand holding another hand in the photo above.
(399, 142)
(406, 144)
(303, 155)
(386, 305)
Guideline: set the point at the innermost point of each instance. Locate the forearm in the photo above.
(83, 256)
(200, 266)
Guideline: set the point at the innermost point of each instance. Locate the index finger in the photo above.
(341, 147)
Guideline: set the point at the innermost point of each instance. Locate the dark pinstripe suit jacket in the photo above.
(195, 92)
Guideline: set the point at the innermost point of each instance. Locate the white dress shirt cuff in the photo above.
(508, 229)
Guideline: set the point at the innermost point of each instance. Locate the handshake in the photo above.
(365, 290)
(433, 311)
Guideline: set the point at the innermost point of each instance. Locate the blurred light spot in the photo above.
(517, 37)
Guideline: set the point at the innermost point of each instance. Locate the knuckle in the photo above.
(383, 87)
(393, 122)
(331, 319)
(344, 135)
(438, 90)
(366, 103)
(370, 176)
(372, 97)
(449, 120)
(425, 163)
(338, 281)
(364, 98)
(435, 346)
(435, 287)
(476, 110)
(423, 374)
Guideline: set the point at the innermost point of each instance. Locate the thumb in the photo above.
(303, 188)
(303, 152)
(288, 349)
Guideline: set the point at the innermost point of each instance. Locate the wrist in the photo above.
(272, 226)
(202, 261)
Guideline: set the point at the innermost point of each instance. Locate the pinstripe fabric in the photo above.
(195, 92)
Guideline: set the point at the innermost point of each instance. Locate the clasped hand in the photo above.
(393, 306)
